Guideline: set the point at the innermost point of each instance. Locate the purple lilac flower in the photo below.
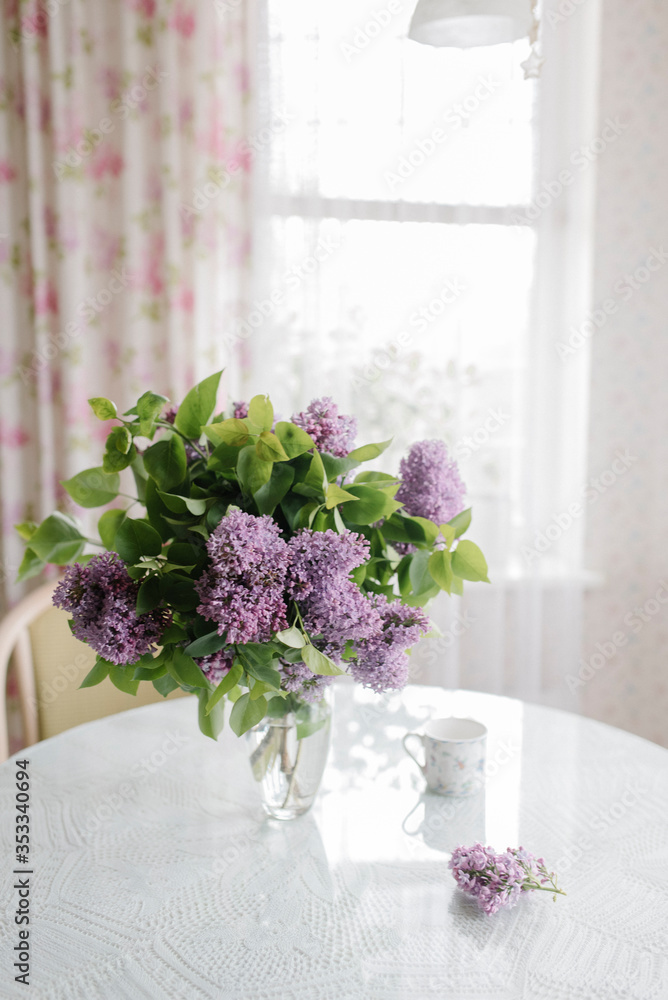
(242, 590)
(300, 680)
(382, 659)
(331, 431)
(240, 410)
(497, 880)
(332, 605)
(103, 599)
(430, 483)
(216, 665)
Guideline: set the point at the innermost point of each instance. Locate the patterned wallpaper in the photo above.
(624, 670)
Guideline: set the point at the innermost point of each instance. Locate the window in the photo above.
(408, 269)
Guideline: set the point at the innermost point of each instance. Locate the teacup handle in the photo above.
(411, 833)
(423, 767)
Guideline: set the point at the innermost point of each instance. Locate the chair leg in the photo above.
(25, 680)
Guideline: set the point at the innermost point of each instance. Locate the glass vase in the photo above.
(288, 757)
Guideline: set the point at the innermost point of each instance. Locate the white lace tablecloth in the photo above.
(156, 875)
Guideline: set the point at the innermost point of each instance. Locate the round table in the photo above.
(154, 874)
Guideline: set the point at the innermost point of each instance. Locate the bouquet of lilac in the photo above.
(264, 562)
(498, 880)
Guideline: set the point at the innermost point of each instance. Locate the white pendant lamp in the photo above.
(464, 24)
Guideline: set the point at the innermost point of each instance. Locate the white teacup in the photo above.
(454, 751)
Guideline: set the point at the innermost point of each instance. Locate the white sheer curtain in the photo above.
(408, 265)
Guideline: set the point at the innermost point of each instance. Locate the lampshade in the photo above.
(465, 23)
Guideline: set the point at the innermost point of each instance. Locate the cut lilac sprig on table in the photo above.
(498, 880)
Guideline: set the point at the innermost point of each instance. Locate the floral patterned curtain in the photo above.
(124, 224)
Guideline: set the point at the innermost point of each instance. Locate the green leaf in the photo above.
(247, 713)
(197, 408)
(295, 441)
(103, 408)
(206, 645)
(376, 477)
(252, 471)
(441, 569)
(318, 663)
(135, 539)
(58, 540)
(291, 637)
(93, 487)
(143, 673)
(316, 477)
(420, 577)
(108, 525)
(164, 685)
(173, 633)
(224, 458)
(448, 532)
(184, 669)
(335, 467)
(211, 723)
(148, 596)
(99, 673)
(457, 586)
(120, 452)
(460, 522)
(148, 407)
(261, 672)
(26, 529)
(269, 448)
(184, 554)
(256, 653)
(179, 592)
(120, 678)
(227, 683)
(232, 432)
(402, 528)
(369, 451)
(421, 599)
(270, 495)
(31, 565)
(335, 495)
(119, 439)
(469, 563)
(166, 462)
(371, 505)
(309, 727)
(181, 505)
(261, 412)
(339, 526)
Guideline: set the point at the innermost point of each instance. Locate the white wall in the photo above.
(627, 527)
